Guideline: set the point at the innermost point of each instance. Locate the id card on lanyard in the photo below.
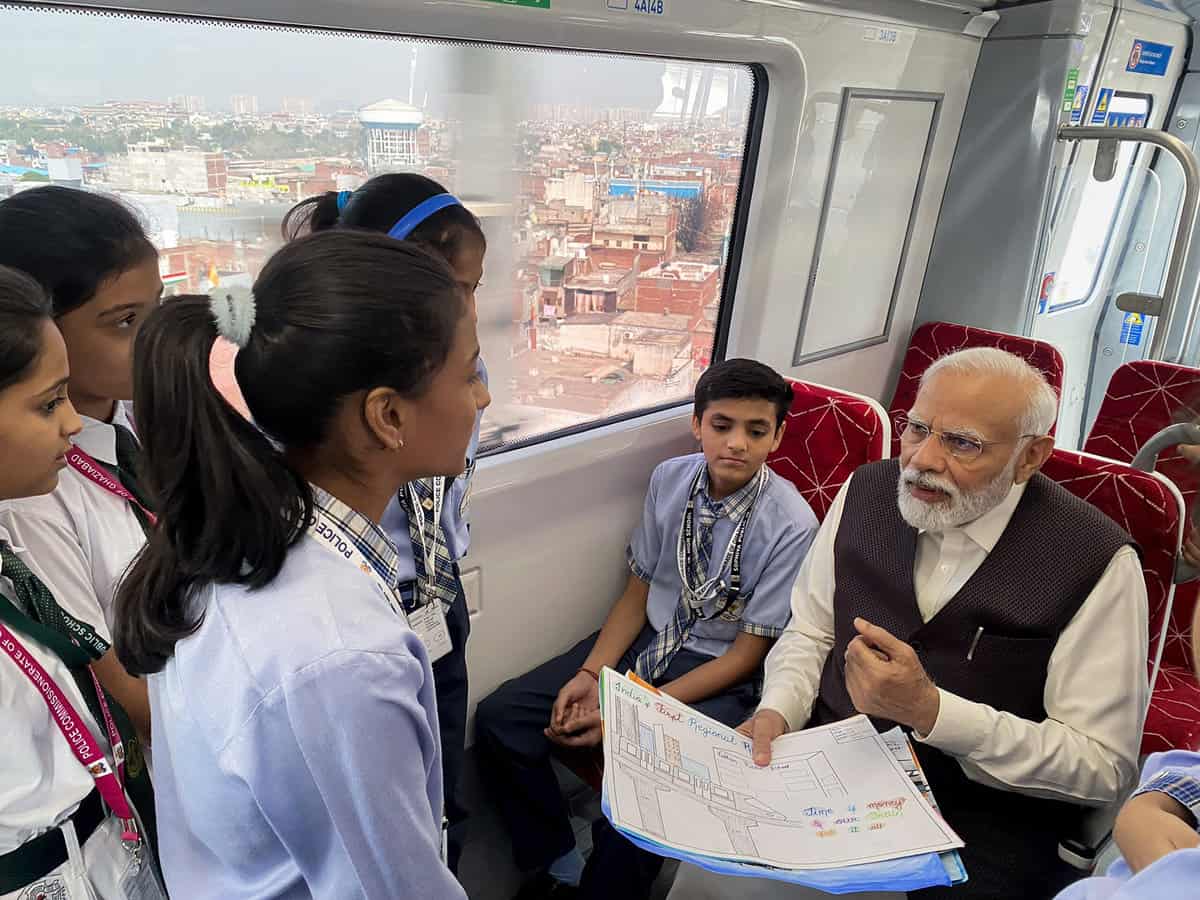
(428, 536)
(330, 536)
(429, 612)
(109, 779)
(98, 475)
(697, 588)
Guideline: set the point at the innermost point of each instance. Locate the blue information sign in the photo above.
(1148, 58)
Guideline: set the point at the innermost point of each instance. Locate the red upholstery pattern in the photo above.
(1145, 506)
(936, 339)
(1143, 398)
(1173, 720)
(829, 434)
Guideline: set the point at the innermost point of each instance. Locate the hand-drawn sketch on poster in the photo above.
(832, 796)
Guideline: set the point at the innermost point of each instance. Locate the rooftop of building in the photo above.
(682, 270)
(663, 321)
(563, 382)
(611, 279)
(391, 112)
(589, 319)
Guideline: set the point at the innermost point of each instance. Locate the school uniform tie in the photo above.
(441, 583)
(39, 605)
(38, 615)
(653, 662)
(129, 454)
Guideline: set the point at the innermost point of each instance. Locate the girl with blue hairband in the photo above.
(427, 519)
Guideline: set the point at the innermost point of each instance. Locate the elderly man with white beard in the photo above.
(999, 619)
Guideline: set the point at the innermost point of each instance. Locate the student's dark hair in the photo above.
(335, 314)
(380, 204)
(737, 379)
(24, 310)
(71, 241)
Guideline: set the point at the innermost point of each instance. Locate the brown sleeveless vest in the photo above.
(1050, 556)
(1054, 550)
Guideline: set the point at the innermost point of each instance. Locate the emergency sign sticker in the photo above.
(1126, 120)
(1078, 104)
(1131, 329)
(1069, 91)
(1103, 101)
(1148, 58)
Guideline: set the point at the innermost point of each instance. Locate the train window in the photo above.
(881, 147)
(1086, 242)
(611, 188)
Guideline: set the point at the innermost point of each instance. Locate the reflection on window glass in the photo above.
(1086, 240)
(606, 185)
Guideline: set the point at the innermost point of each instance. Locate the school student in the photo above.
(296, 744)
(1158, 828)
(92, 257)
(411, 207)
(711, 570)
(68, 825)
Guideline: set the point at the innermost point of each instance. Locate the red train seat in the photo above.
(935, 339)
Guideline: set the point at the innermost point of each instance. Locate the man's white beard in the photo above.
(959, 507)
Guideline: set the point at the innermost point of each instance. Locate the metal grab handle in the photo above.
(1166, 306)
(1147, 459)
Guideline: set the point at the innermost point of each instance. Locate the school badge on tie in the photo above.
(135, 760)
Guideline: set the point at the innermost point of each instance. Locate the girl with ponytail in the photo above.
(431, 540)
(295, 727)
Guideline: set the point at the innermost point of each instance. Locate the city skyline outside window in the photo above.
(607, 185)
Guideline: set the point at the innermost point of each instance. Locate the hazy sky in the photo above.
(68, 58)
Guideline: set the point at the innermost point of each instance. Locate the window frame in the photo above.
(849, 94)
(735, 243)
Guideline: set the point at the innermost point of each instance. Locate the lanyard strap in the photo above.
(79, 738)
(696, 587)
(323, 530)
(428, 548)
(70, 649)
(98, 475)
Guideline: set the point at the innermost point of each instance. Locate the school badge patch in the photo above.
(735, 610)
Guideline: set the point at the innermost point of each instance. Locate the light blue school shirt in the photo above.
(296, 749)
(454, 510)
(1176, 875)
(781, 529)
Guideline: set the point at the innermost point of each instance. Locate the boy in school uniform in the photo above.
(712, 565)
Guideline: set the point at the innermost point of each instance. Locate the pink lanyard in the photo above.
(83, 744)
(96, 473)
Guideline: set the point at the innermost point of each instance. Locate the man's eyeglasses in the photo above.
(964, 447)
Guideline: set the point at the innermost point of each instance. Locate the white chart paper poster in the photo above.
(833, 796)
